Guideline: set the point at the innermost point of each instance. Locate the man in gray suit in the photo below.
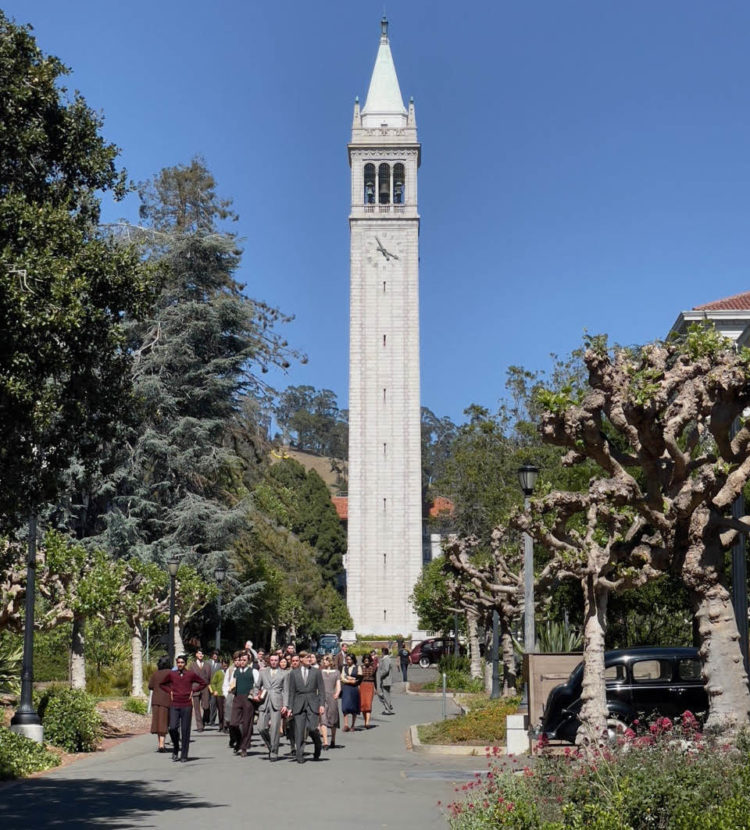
(305, 699)
(383, 678)
(271, 689)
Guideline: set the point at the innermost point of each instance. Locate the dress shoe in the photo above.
(175, 756)
(274, 756)
(236, 750)
(301, 760)
(183, 760)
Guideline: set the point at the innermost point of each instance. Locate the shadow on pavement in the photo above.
(46, 802)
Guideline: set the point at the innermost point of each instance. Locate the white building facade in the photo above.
(384, 557)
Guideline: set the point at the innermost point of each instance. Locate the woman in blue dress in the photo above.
(350, 678)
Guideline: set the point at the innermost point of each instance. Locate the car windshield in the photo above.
(328, 640)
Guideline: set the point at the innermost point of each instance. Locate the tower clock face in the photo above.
(384, 248)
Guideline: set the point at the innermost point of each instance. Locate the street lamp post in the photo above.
(219, 575)
(527, 476)
(495, 694)
(26, 720)
(172, 565)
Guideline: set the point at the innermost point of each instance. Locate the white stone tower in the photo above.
(384, 557)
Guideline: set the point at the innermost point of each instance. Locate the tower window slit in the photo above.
(385, 449)
(385, 502)
(384, 395)
(384, 336)
(383, 286)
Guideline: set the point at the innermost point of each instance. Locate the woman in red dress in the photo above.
(367, 688)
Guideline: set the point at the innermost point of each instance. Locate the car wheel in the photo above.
(616, 727)
(424, 662)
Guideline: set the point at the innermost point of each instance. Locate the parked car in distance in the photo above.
(329, 644)
(640, 682)
(430, 651)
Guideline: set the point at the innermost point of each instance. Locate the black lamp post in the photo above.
(26, 721)
(172, 565)
(219, 575)
(527, 476)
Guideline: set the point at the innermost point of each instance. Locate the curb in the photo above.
(446, 749)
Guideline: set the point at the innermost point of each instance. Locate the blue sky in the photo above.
(585, 164)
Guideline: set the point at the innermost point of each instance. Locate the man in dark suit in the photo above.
(305, 699)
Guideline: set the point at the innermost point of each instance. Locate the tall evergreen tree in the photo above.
(64, 287)
(175, 488)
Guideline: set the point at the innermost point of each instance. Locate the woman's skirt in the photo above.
(366, 692)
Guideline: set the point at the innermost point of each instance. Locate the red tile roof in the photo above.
(440, 505)
(341, 503)
(737, 302)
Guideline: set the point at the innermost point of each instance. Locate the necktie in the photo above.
(304, 675)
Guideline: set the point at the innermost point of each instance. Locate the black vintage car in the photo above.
(641, 682)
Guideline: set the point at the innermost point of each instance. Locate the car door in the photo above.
(689, 691)
(651, 688)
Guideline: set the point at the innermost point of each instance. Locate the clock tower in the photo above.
(384, 556)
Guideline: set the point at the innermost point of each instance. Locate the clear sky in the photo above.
(585, 164)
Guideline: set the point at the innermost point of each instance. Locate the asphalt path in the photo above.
(372, 781)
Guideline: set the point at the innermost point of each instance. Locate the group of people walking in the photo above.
(286, 693)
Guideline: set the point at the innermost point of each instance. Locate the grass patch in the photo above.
(483, 724)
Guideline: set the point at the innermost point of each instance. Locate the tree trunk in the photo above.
(509, 659)
(77, 655)
(273, 637)
(472, 625)
(723, 667)
(720, 650)
(136, 651)
(593, 715)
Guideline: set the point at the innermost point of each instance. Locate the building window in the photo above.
(369, 184)
(384, 395)
(384, 184)
(399, 184)
(385, 449)
(383, 286)
(385, 503)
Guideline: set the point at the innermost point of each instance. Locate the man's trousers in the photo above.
(269, 724)
(307, 721)
(179, 722)
(243, 712)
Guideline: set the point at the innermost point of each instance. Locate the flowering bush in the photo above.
(666, 775)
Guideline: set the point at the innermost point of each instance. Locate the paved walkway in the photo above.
(372, 781)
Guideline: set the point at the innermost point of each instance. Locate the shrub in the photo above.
(669, 776)
(11, 656)
(136, 705)
(71, 721)
(20, 756)
(484, 723)
(454, 664)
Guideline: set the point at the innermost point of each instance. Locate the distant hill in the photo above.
(331, 470)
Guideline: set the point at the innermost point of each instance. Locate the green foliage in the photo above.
(310, 420)
(11, 657)
(457, 676)
(558, 638)
(71, 721)
(454, 663)
(20, 756)
(64, 375)
(51, 654)
(656, 781)
(136, 705)
(656, 614)
(431, 599)
(483, 724)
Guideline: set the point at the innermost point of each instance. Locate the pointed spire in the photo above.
(384, 104)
